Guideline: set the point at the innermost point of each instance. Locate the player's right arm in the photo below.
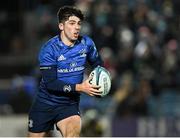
(48, 68)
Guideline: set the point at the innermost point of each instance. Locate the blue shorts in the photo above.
(43, 117)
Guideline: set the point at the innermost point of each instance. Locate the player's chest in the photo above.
(71, 57)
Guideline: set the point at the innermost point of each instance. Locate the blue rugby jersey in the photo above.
(62, 67)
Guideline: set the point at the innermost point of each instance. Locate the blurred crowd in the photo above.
(137, 39)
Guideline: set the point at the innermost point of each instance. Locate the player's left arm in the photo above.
(93, 56)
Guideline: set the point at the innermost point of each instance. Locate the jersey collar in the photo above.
(62, 44)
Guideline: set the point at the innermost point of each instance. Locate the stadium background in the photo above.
(139, 42)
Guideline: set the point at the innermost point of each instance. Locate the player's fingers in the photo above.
(95, 90)
(91, 94)
(96, 86)
(96, 93)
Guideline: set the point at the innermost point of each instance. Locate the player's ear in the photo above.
(61, 26)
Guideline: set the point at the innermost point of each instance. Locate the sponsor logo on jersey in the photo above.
(67, 88)
(82, 53)
(73, 64)
(61, 58)
(66, 70)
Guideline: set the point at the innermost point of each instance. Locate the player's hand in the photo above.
(86, 87)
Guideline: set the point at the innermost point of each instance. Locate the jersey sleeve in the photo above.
(49, 76)
(48, 68)
(93, 57)
(46, 56)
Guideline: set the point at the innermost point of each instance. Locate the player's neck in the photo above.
(66, 41)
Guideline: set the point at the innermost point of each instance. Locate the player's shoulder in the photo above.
(49, 44)
(86, 39)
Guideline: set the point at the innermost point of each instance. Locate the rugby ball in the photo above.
(101, 77)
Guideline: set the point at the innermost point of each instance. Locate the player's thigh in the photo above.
(41, 134)
(31, 134)
(71, 126)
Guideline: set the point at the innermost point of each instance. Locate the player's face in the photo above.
(71, 28)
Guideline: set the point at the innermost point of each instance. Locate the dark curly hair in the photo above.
(66, 11)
